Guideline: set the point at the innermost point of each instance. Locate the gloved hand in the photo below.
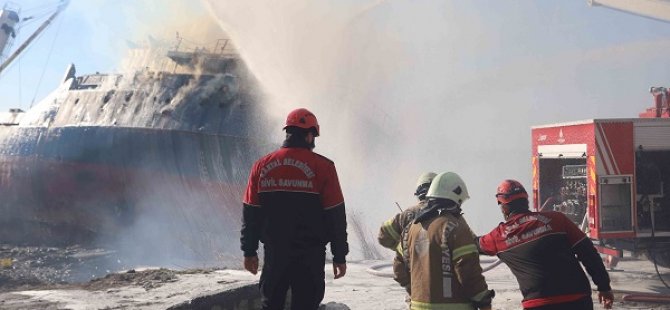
(339, 270)
(606, 299)
(251, 264)
(485, 302)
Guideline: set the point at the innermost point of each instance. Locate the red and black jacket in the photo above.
(543, 250)
(293, 201)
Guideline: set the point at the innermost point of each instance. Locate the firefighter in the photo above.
(543, 250)
(391, 230)
(441, 253)
(293, 204)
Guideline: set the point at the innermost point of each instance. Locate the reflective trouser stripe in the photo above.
(388, 227)
(417, 305)
(446, 287)
(464, 250)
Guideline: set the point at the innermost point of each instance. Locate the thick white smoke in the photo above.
(402, 87)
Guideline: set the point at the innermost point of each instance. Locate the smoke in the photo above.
(391, 86)
(118, 27)
(169, 197)
(175, 225)
(402, 87)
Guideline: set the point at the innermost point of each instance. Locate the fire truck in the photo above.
(611, 177)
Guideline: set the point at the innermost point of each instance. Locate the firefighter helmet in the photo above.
(423, 183)
(448, 185)
(510, 190)
(302, 118)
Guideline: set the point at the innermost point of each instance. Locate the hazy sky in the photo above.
(400, 86)
(94, 33)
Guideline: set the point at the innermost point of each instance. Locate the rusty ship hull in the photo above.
(116, 158)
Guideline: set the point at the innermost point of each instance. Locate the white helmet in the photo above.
(448, 185)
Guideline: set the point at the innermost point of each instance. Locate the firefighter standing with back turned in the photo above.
(543, 250)
(294, 205)
(391, 230)
(441, 253)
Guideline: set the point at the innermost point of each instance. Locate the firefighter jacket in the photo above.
(444, 265)
(389, 237)
(543, 250)
(391, 230)
(293, 201)
(401, 272)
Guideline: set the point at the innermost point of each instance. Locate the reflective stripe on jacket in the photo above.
(444, 264)
(390, 232)
(416, 305)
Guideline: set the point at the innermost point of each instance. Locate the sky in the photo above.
(400, 87)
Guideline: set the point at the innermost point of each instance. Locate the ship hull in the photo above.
(105, 185)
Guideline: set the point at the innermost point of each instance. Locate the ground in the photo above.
(29, 282)
(360, 290)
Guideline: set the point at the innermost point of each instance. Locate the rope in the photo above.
(42, 7)
(44, 69)
(20, 92)
(34, 18)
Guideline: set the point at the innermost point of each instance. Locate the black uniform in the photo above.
(543, 250)
(294, 205)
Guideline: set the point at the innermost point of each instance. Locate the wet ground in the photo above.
(77, 278)
(25, 267)
(28, 267)
(83, 278)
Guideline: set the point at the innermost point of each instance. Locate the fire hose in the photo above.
(377, 269)
(652, 249)
(646, 297)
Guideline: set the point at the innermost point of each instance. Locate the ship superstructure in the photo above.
(162, 150)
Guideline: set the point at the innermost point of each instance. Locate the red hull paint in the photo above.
(105, 200)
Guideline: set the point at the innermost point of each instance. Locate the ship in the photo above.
(155, 158)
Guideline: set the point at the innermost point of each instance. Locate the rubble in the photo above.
(26, 267)
(147, 279)
(40, 278)
(29, 267)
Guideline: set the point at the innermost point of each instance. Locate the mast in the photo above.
(32, 37)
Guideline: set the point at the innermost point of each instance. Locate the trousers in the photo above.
(302, 271)
(581, 304)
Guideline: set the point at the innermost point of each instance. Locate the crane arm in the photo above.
(32, 37)
(654, 9)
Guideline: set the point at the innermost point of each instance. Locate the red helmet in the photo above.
(510, 190)
(302, 118)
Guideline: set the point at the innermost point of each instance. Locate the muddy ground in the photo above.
(78, 278)
(29, 268)
(26, 267)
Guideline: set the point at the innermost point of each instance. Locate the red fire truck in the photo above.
(611, 177)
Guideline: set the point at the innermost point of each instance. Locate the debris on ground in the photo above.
(25, 267)
(30, 268)
(147, 279)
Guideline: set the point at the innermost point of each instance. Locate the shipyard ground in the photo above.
(40, 278)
